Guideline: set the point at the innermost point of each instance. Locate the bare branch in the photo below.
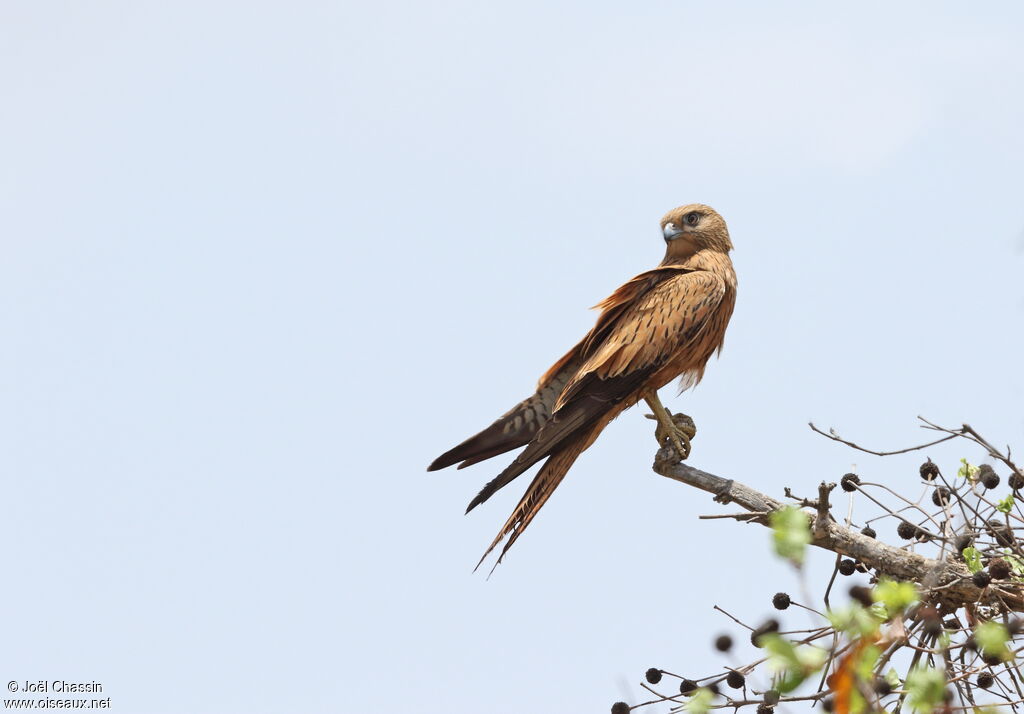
(948, 581)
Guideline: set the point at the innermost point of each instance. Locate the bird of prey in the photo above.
(662, 324)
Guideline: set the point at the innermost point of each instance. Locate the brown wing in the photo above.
(644, 324)
(518, 425)
(656, 326)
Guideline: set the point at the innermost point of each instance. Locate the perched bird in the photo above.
(662, 324)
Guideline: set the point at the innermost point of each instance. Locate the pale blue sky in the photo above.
(263, 261)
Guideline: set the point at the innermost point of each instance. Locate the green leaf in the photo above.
(781, 652)
(857, 703)
(792, 533)
(792, 664)
(973, 559)
(879, 612)
(896, 595)
(966, 470)
(893, 678)
(855, 620)
(1005, 505)
(700, 702)
(992, 639)
(925, 688)
(811, 658)
(866, 663)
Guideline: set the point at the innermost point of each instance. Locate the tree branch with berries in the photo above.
(936, 629)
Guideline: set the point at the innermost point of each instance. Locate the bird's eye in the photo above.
(692, 218)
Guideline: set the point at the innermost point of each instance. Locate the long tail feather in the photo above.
(540, 490)
(509, 431)
(599, 402)
(557, 431)
(518, 425)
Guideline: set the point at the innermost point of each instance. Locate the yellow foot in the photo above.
(678, 434)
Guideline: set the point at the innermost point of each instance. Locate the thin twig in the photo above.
(831, 434)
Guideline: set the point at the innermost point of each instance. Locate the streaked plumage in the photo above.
(662, 324)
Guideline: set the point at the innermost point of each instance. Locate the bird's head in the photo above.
(688, 229)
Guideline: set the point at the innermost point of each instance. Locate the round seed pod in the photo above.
(765, 628)
(988, 477)
(999, 569)
(849, 482)
(929, 470)
(862, 595)
(963, 541)
(1001, 532)
(688, 686)
(932, 623)
(932, 628)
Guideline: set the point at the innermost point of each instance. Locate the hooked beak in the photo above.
(670, 232)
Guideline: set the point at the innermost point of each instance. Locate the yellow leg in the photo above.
(678, 430)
